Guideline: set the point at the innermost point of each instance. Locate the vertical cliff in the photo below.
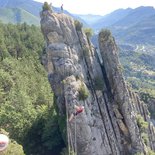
(115, 120)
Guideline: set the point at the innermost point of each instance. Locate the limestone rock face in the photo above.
(108, 126)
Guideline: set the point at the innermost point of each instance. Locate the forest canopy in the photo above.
(26, 99)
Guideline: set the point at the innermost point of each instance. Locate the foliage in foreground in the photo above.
(78, 25)
(46, 6)
(88, 32)
(140, 73)
(26, 100)
(83, 92)
(13, 149)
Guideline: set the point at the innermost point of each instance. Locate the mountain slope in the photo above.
(135, 16)
(18, 11)
(124, 17)
(90, 19)
(28, 5)
(111, 18)
(136, 26)
(17, 15)
(142, 32)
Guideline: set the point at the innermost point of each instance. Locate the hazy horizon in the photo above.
(98, 7)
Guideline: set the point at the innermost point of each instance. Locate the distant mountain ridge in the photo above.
(136, 26)
(136, 15)
(28, 8)
(17, 15)
(90, 18)
(123, 17)
(111, 18)
(19, 11)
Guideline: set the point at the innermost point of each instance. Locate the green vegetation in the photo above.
(65, 152)
(146, 97)
(83, 92)
(145, 138)
(143, 125)
(150, 152)
(13, 149)
(44, 135)
(105, 33)
(46, 6)
(139, 153)
(140, 72)
(26, 102)
(78, 25)
(88, 32)
(18, 15)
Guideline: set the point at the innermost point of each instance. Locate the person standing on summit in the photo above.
(62, 8)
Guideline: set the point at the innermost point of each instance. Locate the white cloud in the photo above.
(98, 6)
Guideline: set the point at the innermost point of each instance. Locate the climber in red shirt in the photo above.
(78, 109)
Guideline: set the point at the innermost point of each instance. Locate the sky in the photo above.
(98, 7)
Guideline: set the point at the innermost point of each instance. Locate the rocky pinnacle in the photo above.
(110, 124)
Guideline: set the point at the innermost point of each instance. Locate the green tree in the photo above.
(106, 35)
(88, 32)
(13, 149)
(78, 25)
(26, 99)
(46, 6)
(83, 92)
(143, 125)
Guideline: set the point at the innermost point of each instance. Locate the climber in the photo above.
(4, 141)
(62, 8)
(78, 110)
